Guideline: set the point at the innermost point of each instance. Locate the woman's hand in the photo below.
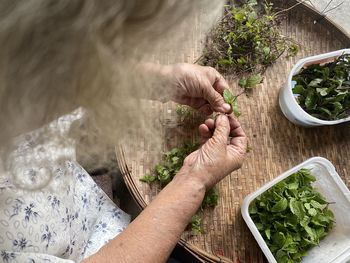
(223, 151)
(197, 86)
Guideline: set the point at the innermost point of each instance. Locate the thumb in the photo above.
(215, 99)
(222, 129)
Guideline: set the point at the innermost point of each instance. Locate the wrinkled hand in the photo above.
(199, 87)
(220, 154)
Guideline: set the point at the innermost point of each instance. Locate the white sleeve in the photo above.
(16, 257)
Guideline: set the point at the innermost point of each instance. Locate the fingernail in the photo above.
(226, 107)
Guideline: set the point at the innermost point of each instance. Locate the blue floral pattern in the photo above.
(51, 210)
(69, 227)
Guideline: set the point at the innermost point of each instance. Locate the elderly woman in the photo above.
(57, 56)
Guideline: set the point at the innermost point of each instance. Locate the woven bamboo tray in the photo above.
(277, 144)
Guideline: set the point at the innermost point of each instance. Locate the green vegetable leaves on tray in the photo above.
(292, 217)
(247, 40)
(165, 171)
(172, 162)
(323, 91)
(232, 100)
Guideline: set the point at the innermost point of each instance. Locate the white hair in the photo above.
(58, 55)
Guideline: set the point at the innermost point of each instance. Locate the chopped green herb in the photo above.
(171, 164)
(184, 112)
(292, 217)
(148, 178)
(323, 91)
(211, 198)
(196, 224)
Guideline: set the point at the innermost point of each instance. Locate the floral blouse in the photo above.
(53, 212)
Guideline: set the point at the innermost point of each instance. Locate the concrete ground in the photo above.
(337, 10)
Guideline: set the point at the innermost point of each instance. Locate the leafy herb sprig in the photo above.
(232, 100)
(246, 41)
(165, 171)
(323, 91)
(292, 217)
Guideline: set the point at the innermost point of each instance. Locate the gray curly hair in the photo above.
(57, 55)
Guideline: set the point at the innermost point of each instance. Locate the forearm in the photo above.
(156, 81)
(154, 233)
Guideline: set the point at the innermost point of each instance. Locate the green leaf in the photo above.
(317, 205)
(296, 207)
(232, 100)
(252, 208)
(305, 221)
(196, 224)
(268, 233)
(252, 2)
(278, 238)
(293, 186)
(311, 233)
(266, 51)
(253, 80)
(211, 198)
(325, 110)
(148, 178)
(242, 82)
(225, 62)
(298, 89)
(280, 205)
(228, 96)
(241, 60)
(240, 16)
(251, 18)
(310, 101)
(322, 91)
(307, 206)
(312, 211)
(235, 110)
(315, 82)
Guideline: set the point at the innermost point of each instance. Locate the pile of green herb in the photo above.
(292, 217)
(172, 162)
(323, 91)
(185, 113)
(165, 171)
(247, 40)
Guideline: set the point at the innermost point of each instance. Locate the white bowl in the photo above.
(288, 104)
(335, 247)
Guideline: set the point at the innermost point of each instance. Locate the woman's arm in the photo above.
(153, 234)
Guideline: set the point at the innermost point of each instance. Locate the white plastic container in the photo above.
(335, 247)
(288, 104)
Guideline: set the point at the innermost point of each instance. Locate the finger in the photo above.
(238, 145)
(234, 126)
(220, 83)
(210, 123)
(206, 109)
(215, 99)
(195, 103)
(222, 129)
(239, 140)
(204, 131)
